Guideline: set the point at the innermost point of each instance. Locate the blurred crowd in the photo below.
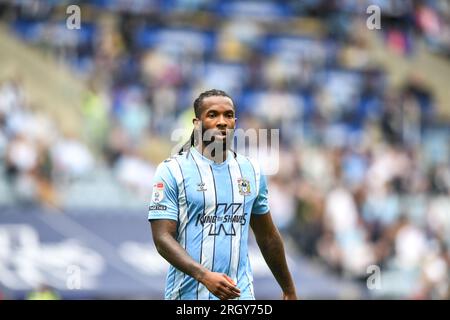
(364, 167)
(35, 154)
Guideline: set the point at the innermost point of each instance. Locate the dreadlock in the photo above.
(197, 110)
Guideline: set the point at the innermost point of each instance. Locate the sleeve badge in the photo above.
(158, 192)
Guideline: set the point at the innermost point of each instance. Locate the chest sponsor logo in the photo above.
(225, 217)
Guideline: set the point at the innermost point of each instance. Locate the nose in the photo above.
(221, 122)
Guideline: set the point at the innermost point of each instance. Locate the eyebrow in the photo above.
(214, 110)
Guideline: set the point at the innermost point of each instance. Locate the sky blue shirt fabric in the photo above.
(212, 204)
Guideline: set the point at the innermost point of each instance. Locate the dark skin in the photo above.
(271, 245)
(217, 121)
(218, 115)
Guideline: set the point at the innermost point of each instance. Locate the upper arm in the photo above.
(164, 202)
(261, 204)
(261, 219)
(163, 227)
(263, 226)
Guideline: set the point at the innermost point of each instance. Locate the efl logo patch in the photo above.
(158, 192)
(244, 187)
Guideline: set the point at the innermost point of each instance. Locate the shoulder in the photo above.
(174, 160)
(173, 164)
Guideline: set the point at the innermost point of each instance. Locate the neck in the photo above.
(213, 153)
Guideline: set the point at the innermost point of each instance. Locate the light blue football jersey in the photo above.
(212, 204)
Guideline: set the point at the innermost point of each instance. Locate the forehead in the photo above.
(218, 103)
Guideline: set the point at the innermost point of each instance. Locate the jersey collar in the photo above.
(201, 157)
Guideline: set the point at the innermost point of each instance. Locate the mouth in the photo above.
(221, 134)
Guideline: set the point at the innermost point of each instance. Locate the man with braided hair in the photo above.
(203, 202)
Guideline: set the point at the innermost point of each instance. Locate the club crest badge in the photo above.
(158, 192)
(244, 187)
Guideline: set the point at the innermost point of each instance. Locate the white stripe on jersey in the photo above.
(183, 219)
(257, 170)
(208, 242)
(236, 240)
(249, 277)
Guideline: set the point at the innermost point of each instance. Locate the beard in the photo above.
(212, 142)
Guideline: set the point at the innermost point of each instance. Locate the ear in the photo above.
(196, 122)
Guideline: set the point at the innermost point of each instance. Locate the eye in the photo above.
(230, 115)
(211, 115)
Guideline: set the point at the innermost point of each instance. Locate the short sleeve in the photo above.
(261, 204)
(164, 202)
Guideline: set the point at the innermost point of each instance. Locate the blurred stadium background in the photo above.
(86, 115)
